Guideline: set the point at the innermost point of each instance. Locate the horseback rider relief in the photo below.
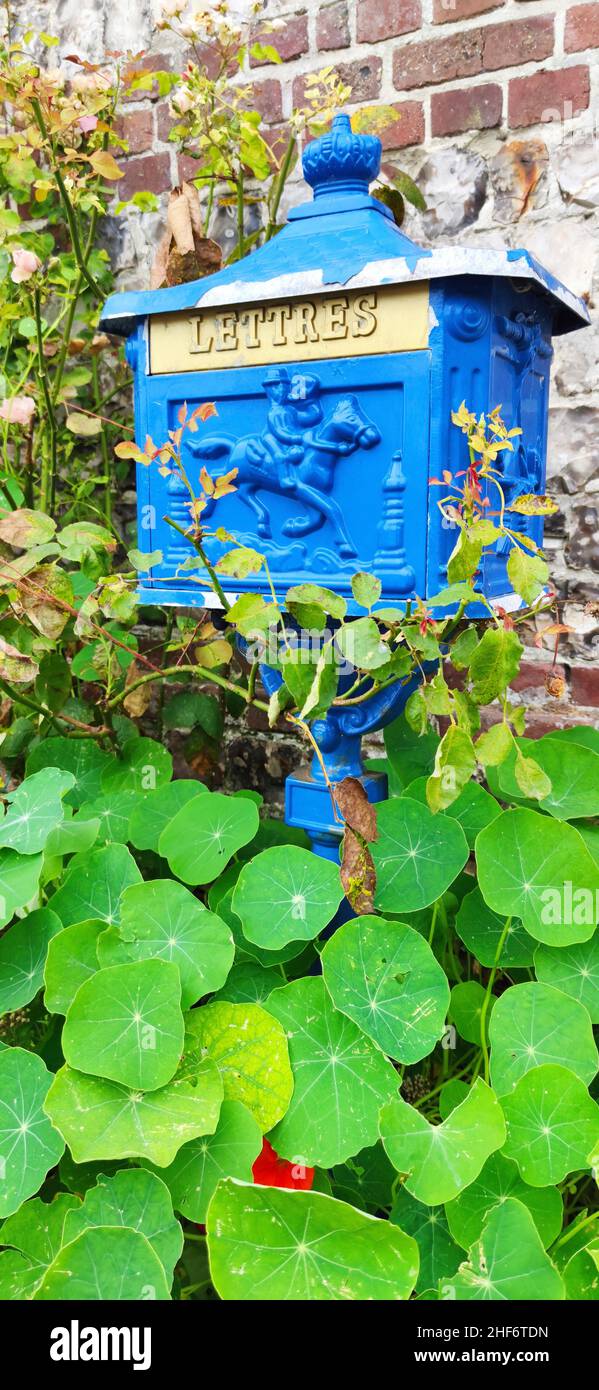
(293, 409)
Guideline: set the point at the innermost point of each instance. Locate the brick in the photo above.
(150, 172)
(442, 60)
(164, 121)
(137, 128)
(387, 19)
(332, 27)
(188, 168)
(266, 97)
(363, 77)
(582, 28)
(585, 685)
(290, 41)
(533, 674)
(546, 95)
(522, 41)
(472, 108)
(408, 129)
(151, 62)
(449, 11)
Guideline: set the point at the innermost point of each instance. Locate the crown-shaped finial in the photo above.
(341, 161)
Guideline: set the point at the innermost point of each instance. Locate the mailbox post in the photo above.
(335, 355)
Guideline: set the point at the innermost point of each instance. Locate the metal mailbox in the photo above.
(334, 355)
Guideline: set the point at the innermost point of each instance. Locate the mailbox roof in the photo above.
(342, 240)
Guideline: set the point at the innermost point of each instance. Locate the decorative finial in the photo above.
(342, 160)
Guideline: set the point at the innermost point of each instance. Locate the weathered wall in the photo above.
(497, 107)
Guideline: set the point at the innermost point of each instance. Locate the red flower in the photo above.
(271, 1171)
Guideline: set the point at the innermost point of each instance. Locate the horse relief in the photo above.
(295, 456)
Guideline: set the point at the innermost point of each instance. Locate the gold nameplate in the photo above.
(388, 319)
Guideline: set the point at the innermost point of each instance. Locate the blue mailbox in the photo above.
(334, 355)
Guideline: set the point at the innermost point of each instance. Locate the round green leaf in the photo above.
(34, 809)
(105, 1262)
(366, 1180)
(23, 950)
(37, 1228)
(249, 1048)
(574, 970)
(199, 1166)
(19, 879)
(451, 1094)
(539, 870)
(499, 1180)
(249, 983)
(572, 772)
(29, 1145)
(246, 950)
(100, 1119)
(581, 1274)
(93, 885)
(125, 1023)
(533, 1024)
(162, 919)
(508, 1262)
(143, 766)
(440, 1160)
(465, 1010)
(18, 1276)
(439, 1256)
(113, 812)
(155, 810)
(481, 930)
(202, 837)
(268, 1244)
(385, 977)
(81, 756)
(340, 1079)
(286, 894)
(72, 835)
(552, 1124)
(417, 855)
(135, 1198)
(71, 959)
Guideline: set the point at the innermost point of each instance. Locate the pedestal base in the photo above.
(308, 805)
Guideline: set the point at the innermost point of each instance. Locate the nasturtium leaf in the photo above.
(72, 958)
(439, 1255)
(417, 855)
(533, 1024)
(249, 1048)
(135, 1198)
(573, 775)
(341, 1079)
(581, 1274)
(100, 1119)
(500, 1179)
(473, 808)
(37, 1229)
(72, 836)
(143, 766)
(451, 1095)
(585, 734)
(366, 1180)
(93, 885)
(384, 976)
(162, 919)
(29, 1145)
(508, 1262)
(113, 810)
(125, 1024)
(23, 950)
(574, 970)
(249, 983)
(440, 1160)
(409, 756)
(204, 835)
(552, 1124)
(268, 1244)
(104, 1263)
(465, 1010)
(286, 894)
(19, 878)
(34, 809)
(246, 950)
(539, 870)
(155, 810)
(481, 930)
(18, 1276)
(199, 1166)
(81, 756)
